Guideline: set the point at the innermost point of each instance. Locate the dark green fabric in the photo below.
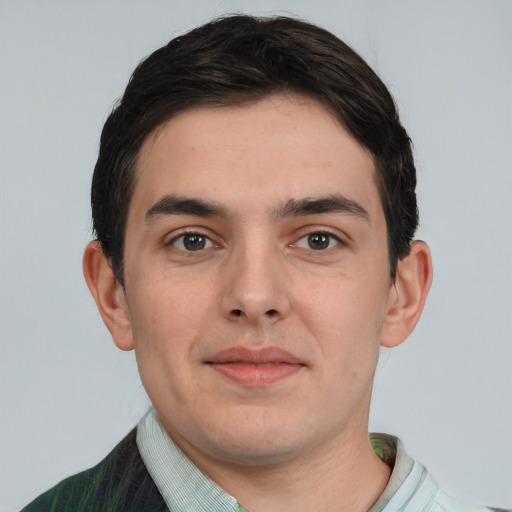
(119, 483)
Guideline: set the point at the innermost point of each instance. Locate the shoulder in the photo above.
(119, 483)
(445, 503)
(411, 487)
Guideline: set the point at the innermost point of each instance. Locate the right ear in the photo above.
(109, 295)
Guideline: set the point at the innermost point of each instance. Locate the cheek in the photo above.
(346, 318)
(157, 338)
(166, 323)
(168, 302)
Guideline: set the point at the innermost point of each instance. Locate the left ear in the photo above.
(407, 295)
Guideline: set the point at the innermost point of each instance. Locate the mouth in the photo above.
(255, 368)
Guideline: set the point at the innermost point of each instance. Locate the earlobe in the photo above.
(407, 295)
(108, 295)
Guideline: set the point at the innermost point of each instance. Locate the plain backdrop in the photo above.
(67, 395)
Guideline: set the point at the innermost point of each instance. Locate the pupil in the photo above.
(194, 242)
(318, 241)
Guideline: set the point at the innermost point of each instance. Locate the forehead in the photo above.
(255, 154)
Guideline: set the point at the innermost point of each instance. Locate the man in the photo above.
(254, 206)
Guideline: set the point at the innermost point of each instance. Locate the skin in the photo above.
(316, 285)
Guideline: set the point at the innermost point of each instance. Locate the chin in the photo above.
(256, 443)
(256, 454)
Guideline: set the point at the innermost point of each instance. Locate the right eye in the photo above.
(190, 242)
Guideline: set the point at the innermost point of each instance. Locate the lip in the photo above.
(255, 367)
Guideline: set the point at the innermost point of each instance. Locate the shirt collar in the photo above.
(404, 470)
(183, 486)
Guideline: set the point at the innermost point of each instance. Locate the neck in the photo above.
(349, 479)
(344, 475)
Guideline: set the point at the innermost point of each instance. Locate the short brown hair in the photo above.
(242, 58)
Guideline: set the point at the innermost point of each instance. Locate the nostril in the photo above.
(270, 313)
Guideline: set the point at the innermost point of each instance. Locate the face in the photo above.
(257, 280)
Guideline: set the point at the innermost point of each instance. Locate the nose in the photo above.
(255, 290)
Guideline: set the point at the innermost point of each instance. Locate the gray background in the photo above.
(67, 395)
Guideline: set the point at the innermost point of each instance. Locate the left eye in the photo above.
(317, 241)
(192, 242)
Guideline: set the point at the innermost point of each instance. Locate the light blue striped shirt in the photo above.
(186, 489)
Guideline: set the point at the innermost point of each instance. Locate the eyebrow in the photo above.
(174, 205)
(334, 203)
